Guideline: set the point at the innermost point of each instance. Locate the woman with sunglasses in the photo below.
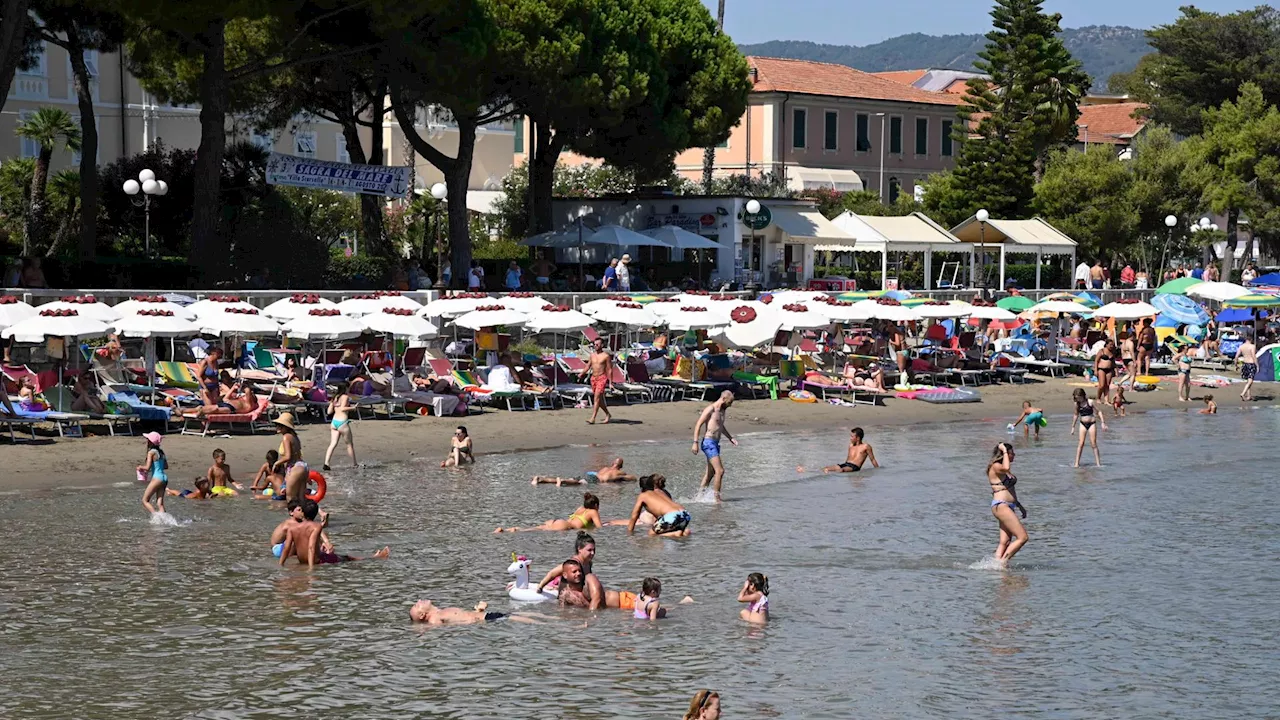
(1004, 501)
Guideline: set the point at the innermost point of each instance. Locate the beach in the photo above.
(101, 460)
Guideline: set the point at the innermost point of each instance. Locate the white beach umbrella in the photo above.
(748, 328)
(89, 309)
(990, 312)
(527, 303)
(483, 317)
(1057, 307)
(55, 324)
(697, 317)
(394, 322)
(216, 304)
(593, 306)
(145, 326)
(137, 305)
(13, 311)
(953, 309)
(685, 298)
(323, 326)
(840, 312)
(455, 306)
(681, 239)
(237, 321)
(561, 319)
(630, 314)
(297, 306)
(801, 316)
(1126, 311)
(361, 305)
(871, 309)
(1220, 291)
(795, 296)
(663, 307)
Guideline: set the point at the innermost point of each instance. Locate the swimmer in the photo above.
(672, 518)
(267, 478)
(219, 475)
(460, 450)
(1004, 500)
(339, 408)
(647, 607)
(424, 611)
(646, 483)
(584, 553)
(586, 517)
(756, 592)
(304, 540)
(290, 463)
(1031, 417)
(278, 535)
(155, 467)
(1085, 414)
(573, 589)
(609, 473)
(705, 705)
(201, 491)
(712, 418)
(1210, 407)
(859, 453)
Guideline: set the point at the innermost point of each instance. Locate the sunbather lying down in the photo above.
(240, 400)
(610, 473)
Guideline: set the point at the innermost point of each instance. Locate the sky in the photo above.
(863, 22)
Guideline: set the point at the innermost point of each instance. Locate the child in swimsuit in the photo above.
(586, 517)
(1210, 407)
(268, 478)
(647, 606)
(756, 592)
(156, 468)
(1030, 417)
(1184, 374)
(201, 491)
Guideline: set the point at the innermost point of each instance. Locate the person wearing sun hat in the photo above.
(155, 471)
(290, 465)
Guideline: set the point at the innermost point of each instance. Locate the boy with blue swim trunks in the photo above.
(1030, 417)
(712, 419)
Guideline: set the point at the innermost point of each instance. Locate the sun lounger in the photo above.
(1049, 367)
(195, 424)
(638, 373)
(14, 373)
(116, 376)
(487, 396)
(148, 413)
(564, 386)
(21, 418)
(757, 385)
(61, 400)
(177, 375)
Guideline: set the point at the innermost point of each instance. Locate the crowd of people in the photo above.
(1099, 276)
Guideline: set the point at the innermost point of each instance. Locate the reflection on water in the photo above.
(1147, 589)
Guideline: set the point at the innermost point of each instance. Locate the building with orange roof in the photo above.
(1115, 123)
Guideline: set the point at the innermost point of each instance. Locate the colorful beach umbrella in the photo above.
(857, 295)
(1268, 279)
(1060, 307)
(1180, 309)
(1253, 301)
(1015, 303)
(1239, 315)
(1178, 286)
(1088, 298)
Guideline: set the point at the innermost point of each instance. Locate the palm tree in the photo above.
(47, 127)
(64, 199)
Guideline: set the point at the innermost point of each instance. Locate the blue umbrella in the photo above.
(1180, 309)
(898, 295)
(1088, 297)
(1234, 315)
(1268, 279)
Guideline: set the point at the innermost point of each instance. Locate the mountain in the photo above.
(1103, 49)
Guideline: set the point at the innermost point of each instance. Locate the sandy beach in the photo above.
(100, 460)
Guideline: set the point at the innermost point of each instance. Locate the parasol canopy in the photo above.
(1126, 311)
(1180, 309)
(297, 306)
(394, 322)
(55, 323)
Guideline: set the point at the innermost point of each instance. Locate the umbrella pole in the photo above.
(582, 274)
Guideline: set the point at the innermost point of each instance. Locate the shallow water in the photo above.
(1148, 588)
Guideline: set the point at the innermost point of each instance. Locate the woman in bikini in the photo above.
(1089, 415)
(1104, 366)
(290, 465)
(207, 374)
(340, 426)
(586, 517)
(1128, 352)
(1183, 361)
(1146, 347)
(1004, 501)
(460, 450)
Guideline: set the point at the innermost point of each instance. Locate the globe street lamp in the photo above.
(148, 185)
(439, 191)
(753, 208)
(982, 216)
(1171, 222)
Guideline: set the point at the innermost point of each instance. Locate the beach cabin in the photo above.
(910, 234)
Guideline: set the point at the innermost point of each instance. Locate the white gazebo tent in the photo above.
(1034, 236)
(807, 226)
(914, 233)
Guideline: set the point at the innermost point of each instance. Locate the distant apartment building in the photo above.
(130, 120)
(820, 125)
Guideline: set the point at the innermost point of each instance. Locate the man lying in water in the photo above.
(609, 473)
(424, 611)
(304, 541)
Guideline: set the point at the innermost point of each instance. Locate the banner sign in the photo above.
(697, 223)
(345, 177)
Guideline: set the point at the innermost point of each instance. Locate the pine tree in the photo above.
(1027, 107)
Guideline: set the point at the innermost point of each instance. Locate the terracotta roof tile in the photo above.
(815, 78)
(1113, 123)
(906, 77)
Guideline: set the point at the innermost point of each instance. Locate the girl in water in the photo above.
(705, 705)
(647, 606)
(755, 591)
(586, 517)
(1183, 361)
(155, 467)
(1104, 366)
(459, 449)
(1089, 415)
(339, 407)
(1004, 500)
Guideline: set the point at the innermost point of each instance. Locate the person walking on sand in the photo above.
(339, 408)
(156, 469)
(859, 453)
(1004, 500)
(1247, 362)
(712, 419)
(601, 363)
(1089, 415)
(1146, 347)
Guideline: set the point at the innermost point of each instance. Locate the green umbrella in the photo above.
(1178, 286)
(1253, 301)
(1014, 303)
(859, 295)
(914, 301)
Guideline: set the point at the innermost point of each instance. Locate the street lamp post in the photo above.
(1170, 222)
(983, 216)
(753, 207)
(439, 191)
(148, 186)
(1205, 225)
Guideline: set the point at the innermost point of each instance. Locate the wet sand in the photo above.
(100, 460)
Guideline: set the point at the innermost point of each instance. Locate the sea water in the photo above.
(1148, 588)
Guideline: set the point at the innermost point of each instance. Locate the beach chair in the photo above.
(115, 376)
(194, 424)
(177, 375)
(638, 374)
(564, 386)
(61, 399)
(13, 374)
(468, 381)
(22, 419)
(413, 359)
(1049, 367)
(147, 413)
(68, 424)
(629, 390)
(1006, 368)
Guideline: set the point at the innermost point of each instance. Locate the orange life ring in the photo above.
(321, 486)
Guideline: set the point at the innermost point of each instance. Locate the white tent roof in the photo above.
(807, 178)
(1027, 235)
(806, 225)
(909, 233)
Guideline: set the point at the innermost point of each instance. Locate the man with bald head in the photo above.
(706, 437)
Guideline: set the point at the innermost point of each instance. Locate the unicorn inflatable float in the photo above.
(520, 590)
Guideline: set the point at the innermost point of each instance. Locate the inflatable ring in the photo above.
(321, 486)
(802, 396)
(1148, 379)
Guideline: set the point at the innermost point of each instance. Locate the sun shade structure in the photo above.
(358, 306)
(37, 328)
(148, 325)
(324, 327)
(748, 328)
(875, 310)
(454, 306)
(214, 305)
(483, 318)
(1015, 303)
(680, 239)
(96, 310)
(989, 312)
(952, 309)
(697, 317)
(1180, 309)
(1253, 301)
(914, 233)
(297, 306)
(809, 227)
(135, 306)
(557, 320)
(1059, 307)
(238, 321)
(1033, 237)
(526, 303)
(396, 324)
(13, 311)
(1220, 291)
(1126, 311)
(1178, 286)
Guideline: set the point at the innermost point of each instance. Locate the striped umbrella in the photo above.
(859, 295)
(1253, 301)
(914, 301)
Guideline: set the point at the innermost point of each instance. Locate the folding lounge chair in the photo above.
(177, 375)
(148, 413)
(564, 386)
(194, 424)
(115, 376)
(1049, 367)
(61, 399)
(468, 381)
(14, 373)
(629, 390)
(21, 418)
(638, 374)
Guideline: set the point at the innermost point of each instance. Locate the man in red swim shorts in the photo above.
(601, 364)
